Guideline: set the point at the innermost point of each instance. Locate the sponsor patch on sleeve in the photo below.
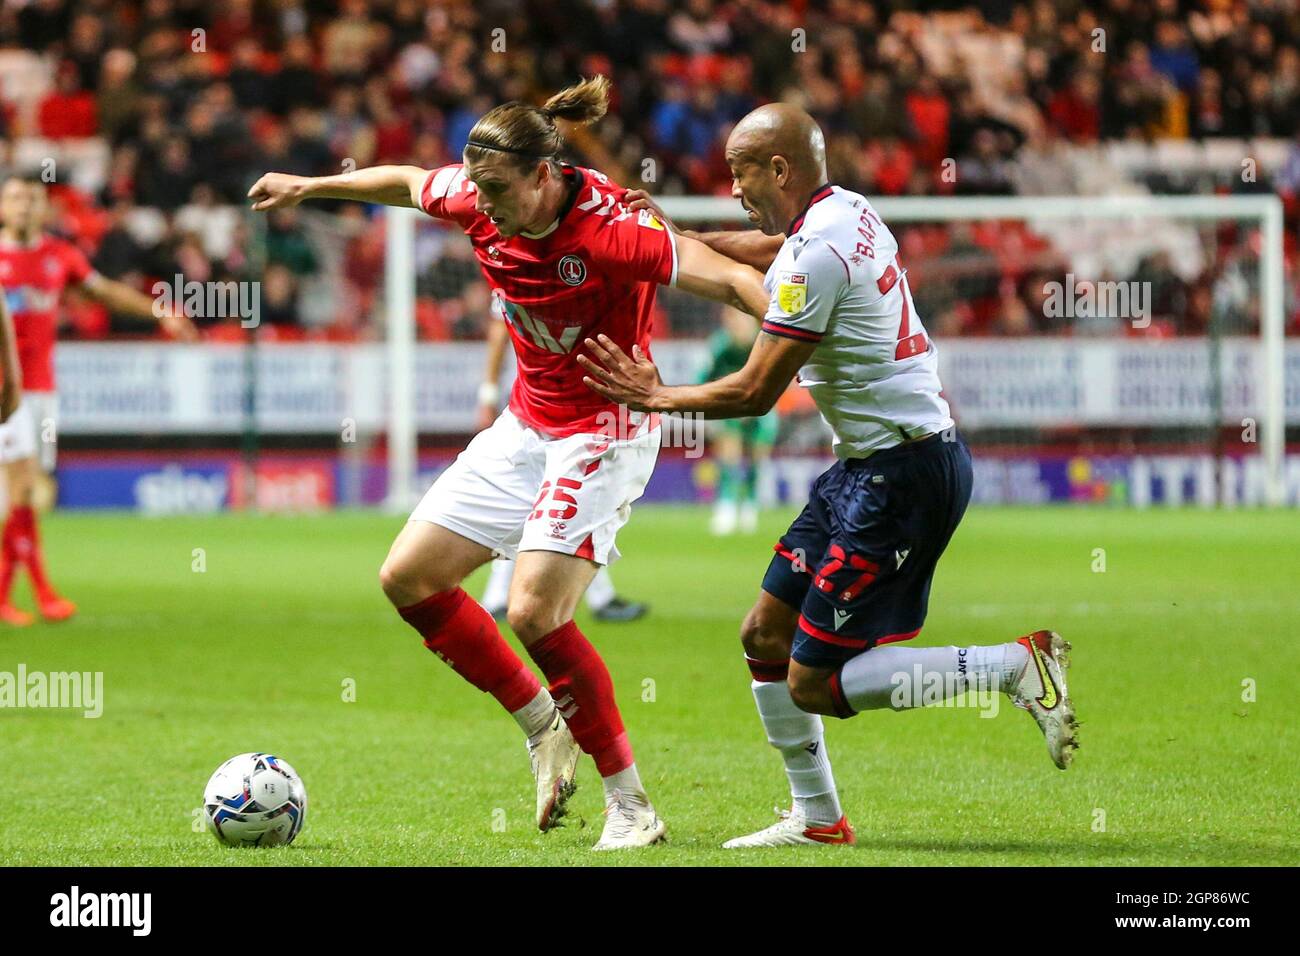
(447, 182)
(648, 219)
(792, 291)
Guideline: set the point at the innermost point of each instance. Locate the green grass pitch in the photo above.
(253, 654)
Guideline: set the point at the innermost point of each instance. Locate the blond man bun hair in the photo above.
(529, 132)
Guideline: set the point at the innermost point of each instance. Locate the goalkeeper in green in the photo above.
(740, 445)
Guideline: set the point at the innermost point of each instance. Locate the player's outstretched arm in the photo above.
(706, 273)
(386, 185)
(749, 246)
(634, 380)
(121, 298)
(11, 391)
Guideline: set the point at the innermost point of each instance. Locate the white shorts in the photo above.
(515, 489)
(25, 434)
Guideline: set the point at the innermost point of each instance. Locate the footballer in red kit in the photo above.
(34, 277)
(553, 479)
(35, 268)
(592, 271)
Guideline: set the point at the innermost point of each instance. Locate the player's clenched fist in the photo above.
(277, 191)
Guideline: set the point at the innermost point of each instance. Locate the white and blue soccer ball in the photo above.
(255, 800)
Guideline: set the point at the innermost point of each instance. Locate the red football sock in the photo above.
(584, 692)
(24, 543)
(7, 569)
(9, 560)
(456, 628)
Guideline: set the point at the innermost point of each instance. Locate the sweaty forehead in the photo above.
(741, 149)
(491, 167)
(758, 137)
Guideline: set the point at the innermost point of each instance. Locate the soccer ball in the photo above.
(255, 800)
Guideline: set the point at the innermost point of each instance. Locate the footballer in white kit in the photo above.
(853, 572)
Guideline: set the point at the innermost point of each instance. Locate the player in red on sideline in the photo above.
(35, 268)
(553, 479)
(11, 377)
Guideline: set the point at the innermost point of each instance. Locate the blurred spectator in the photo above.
(475, 313)
(1174, 56)
(253, 84)
(1165, 292)
(308, 145)
(118, 99)
(698, 29)
(287, 243)
(393, 138)
(1208, 112)
(891, 164)
(233, 22)
(279, 298)
(1074, 110)
(86, 47)
(348, 133)
(213, 224)
(985, 171)
(347, 42)
(167, 177)
(928, 114)
(69, 111)
(297, 83)
(119, 255)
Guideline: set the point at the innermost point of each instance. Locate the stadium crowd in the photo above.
(192, 100)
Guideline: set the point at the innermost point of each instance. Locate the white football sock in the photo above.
(1013, 665)
(901, 678)
(628, 783)
(600, 591)
(799, 738)
(536, 715)
(498, 586)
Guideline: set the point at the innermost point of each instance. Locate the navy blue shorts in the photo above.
(859, 559)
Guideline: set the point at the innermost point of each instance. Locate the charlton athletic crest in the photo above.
(572, 271)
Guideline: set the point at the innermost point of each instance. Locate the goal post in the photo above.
(1128, 221)
(399, 312)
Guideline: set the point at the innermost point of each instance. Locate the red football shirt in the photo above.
(33, 278)
(593, 271)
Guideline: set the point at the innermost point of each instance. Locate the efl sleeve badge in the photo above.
(792, 292)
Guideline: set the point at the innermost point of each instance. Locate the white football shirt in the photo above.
(837, 281)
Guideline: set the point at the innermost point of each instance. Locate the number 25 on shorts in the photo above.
(557, 493)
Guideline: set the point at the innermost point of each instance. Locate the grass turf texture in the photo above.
(252, 654)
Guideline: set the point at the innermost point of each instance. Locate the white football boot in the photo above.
(554, 756)
(1041, 690)
(792, 829)
(630, 821)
